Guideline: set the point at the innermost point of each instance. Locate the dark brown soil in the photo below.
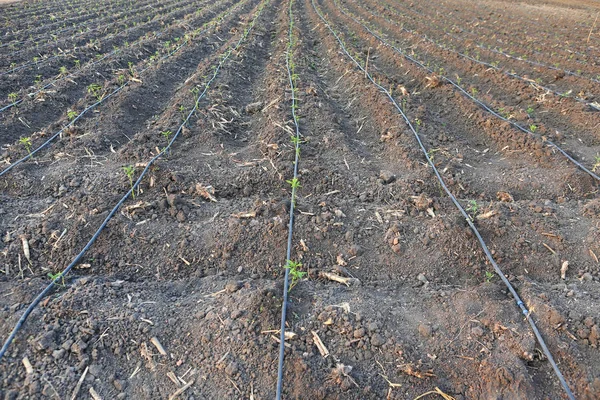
(204, 278)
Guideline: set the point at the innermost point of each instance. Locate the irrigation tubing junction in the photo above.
(469, 220)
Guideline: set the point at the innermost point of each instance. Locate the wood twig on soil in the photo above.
(26, 251)
(563, 270)
(181, 390)
(337, 278)
(79, 383)
(408, 370)
(173, 378)
(592, 28)
(289, 346)
(94, 394)
(549, 248)
(28, 367)
(159, 347)
(438, 392)
(594, 255)
(322, 349)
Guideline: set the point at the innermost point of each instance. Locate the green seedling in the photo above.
(474, 91)
(489, 276)
(596, 165)
(131, 68)
(95, 90)
(295, 140)
(294, 183)
(12, 97)
(26, 142)
(533, 128)
(129, 170)
(473, 208)
(63, 70)
(458, 80)
(77, 64)
(182, 111)
(166, 134)
(38, 79)
(431, 154)
(55, 277)
(294, 272)
(121, 79)
(71, 115)
(502, 111)
(530, 111)
(418, 122)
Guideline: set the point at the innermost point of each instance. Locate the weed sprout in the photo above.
(473, 207)
(129, 170)
(295, 273)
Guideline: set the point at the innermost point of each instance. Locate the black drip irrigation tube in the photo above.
(471, 97)
(288, 58)
(89, 244)
(469, 220)
(117, 90)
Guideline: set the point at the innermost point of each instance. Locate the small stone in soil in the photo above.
(425, 330)
(232, 286)
(231, 369)
(387, 176)
(377, 340)
(359, 333)
(254, 107)
(477, 331)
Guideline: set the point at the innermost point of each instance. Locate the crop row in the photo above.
(23, 42)
(67, 47)
(200, 84)
(20, 27)
(567, 50)
(94, 94)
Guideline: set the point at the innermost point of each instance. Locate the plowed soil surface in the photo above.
(180, 295)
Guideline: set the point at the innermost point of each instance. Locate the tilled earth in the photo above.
(182, 291)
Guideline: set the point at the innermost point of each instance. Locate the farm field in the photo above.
(300, 199)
